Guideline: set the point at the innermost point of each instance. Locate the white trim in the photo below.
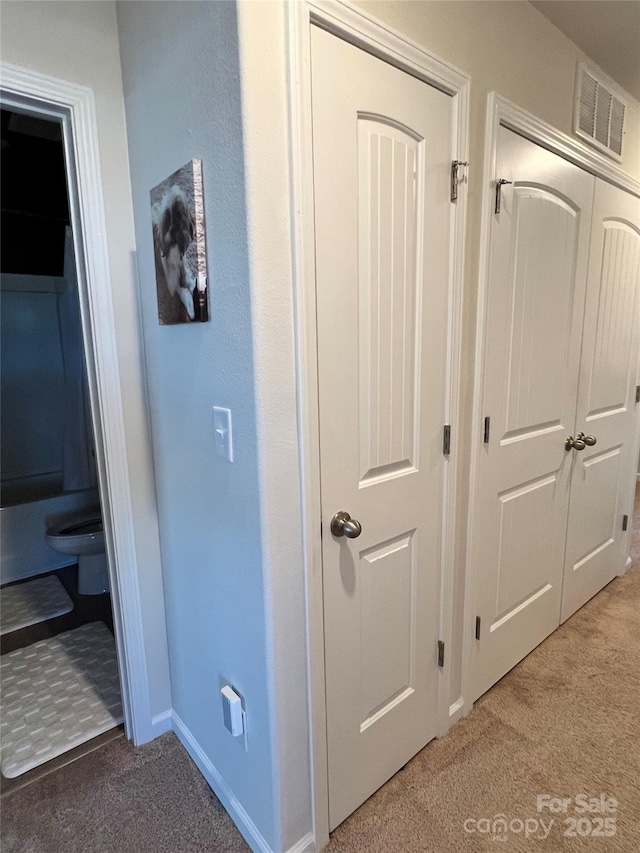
(376, 38)
(223, 792)
(488, 173)
(502, 112)
(74, 105)
(241, 818)
(305, 845)
(303, 266)
(458, 213)
(456, 710)
(162, 723)
(381, 40)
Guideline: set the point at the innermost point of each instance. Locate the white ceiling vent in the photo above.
(599, 111)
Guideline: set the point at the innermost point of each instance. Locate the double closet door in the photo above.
(555, 474)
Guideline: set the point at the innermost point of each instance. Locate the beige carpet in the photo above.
(564, 722)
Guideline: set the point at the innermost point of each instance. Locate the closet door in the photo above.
(603, 473)
(538, 269)
(382, 156)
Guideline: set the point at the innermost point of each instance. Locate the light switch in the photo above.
(222, 431)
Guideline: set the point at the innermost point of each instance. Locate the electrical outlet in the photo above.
(232, 711)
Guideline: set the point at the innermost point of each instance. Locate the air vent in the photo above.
(599, 114)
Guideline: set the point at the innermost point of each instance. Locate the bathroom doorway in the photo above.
(61, 686)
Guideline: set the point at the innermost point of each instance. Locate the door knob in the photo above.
(572, 443)
(589, 440)
(343, 525)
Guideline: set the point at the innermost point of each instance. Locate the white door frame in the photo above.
(367, 33)
(504, 113)
(39, 94)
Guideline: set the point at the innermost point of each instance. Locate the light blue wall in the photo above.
(182, 95)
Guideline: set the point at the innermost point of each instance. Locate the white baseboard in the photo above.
(234, 807)
(162, 723)
(149, 729)
(456, 711)
(305, 845)
(625, 567)
(247, 827)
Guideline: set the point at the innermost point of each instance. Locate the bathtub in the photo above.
(23, 551)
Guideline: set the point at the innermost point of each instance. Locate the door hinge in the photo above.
(625, 522)
(499, 184)
(637, 393)
(487, 430)
(455, 180)
(446, 440)
(440, 652)
(478, 623)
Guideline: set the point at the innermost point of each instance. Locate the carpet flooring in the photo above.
(564, 722)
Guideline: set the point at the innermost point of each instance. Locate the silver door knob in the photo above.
(572, 443)
(343, 525)
(589, 440)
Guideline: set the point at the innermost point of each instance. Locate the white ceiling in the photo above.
(608, 31)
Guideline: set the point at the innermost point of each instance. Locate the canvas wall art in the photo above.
(177, 215)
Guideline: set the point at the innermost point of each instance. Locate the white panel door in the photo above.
(382, 152)
(604, 473)
(538, 268)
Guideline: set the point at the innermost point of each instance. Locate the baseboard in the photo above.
(246, 826)
(456, 711)
(162, 723)
(153, 728)
(625, 567)
(305, 845)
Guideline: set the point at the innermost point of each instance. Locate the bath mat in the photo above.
(34, 601)
(57, 694)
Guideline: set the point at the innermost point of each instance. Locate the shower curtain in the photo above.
(78, 467)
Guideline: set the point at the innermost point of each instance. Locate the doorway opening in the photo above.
(59, 665)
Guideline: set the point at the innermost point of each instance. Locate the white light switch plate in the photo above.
(222, 432)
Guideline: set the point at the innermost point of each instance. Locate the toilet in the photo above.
(83, 537)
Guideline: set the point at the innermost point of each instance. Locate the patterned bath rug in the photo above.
(57, 694)
(34, 601)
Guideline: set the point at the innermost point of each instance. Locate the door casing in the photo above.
(39, 94)
(365, 32)
(502, 112)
